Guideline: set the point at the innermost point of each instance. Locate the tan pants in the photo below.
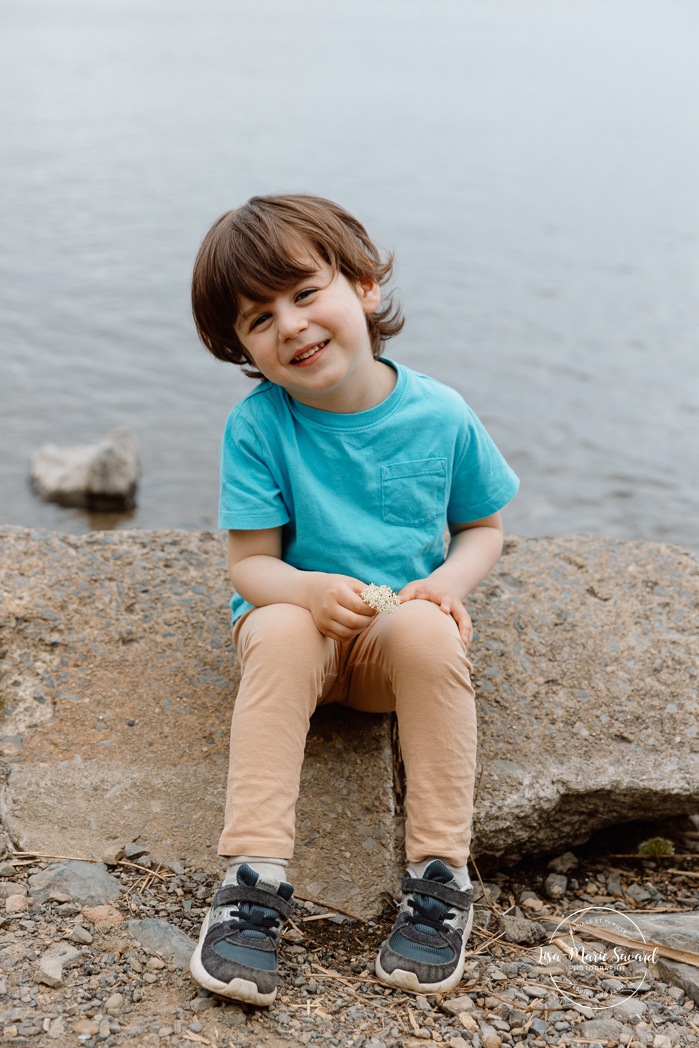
(412, 661)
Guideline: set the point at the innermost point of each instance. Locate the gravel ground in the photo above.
(104, 963)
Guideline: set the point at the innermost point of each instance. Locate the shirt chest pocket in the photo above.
(413, 493)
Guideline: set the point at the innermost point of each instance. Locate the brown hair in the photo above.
(262, 248)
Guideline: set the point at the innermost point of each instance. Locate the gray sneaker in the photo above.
(425, 951)
(236, 956)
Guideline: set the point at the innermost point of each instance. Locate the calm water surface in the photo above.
(533, 163)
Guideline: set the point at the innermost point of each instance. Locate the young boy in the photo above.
(340, 469)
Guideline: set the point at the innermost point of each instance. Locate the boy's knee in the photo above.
(283, 627)
(424, 631)
(425, 614)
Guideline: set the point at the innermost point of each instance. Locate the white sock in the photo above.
(270, 870)
(417, 869)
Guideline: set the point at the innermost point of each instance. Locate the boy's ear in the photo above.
(369, 293)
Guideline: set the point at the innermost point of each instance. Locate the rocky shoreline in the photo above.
(97, 954)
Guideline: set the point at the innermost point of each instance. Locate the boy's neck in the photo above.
(371, 387)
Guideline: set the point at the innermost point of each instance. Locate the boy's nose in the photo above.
(290, 322)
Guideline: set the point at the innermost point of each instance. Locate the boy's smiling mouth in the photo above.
(309, 354)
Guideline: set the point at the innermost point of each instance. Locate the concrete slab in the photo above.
(117, 678)
(586, 653)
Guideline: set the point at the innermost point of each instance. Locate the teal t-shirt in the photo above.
(366, 494)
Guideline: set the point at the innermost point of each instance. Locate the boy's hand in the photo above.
(449, 603)
(337, 609)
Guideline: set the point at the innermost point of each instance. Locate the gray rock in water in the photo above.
(87, 883)
(100, 476)
(165, 939)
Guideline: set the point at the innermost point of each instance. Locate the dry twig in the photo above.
(337, 911)
(82, 858)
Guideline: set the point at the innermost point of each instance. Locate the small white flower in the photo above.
(380, 598)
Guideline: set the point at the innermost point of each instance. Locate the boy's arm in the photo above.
(473, 551)
(261, 577)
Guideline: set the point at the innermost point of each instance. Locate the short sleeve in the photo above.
(482, 481)
(250, 495)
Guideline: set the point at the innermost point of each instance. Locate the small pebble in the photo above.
(114, 1004)
(135, 851)
(85, 1027)
(539, 1026)
(468, 1022)
(112, 854)
(555, 886)
(564, 863)
(202, 1004)
(454, 1005)
(638, 893)
(534, 904)
(80, 935)
(17, 904)
(10, 888)
(532, 991)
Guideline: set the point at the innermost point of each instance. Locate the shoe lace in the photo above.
(428, 912)
(254, 920)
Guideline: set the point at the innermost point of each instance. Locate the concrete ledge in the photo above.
(117, 679)
(587, 676)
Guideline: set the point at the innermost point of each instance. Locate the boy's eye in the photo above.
(259, 320)
(306, 292)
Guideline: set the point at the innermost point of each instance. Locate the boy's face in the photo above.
(312, 339)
